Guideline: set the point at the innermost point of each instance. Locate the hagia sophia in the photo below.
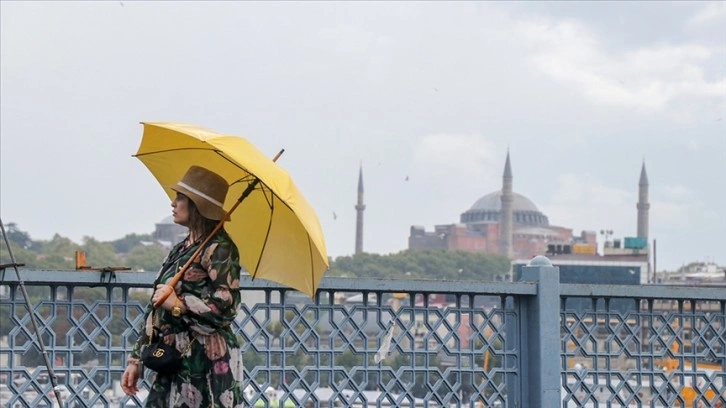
(508, 223)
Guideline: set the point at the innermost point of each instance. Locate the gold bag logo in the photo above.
(158, 352)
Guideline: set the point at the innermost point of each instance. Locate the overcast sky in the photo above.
(427, 96)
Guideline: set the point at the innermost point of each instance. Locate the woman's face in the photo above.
(180, 211)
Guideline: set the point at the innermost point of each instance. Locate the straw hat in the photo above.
(206, 189)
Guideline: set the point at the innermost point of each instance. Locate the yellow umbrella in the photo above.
(275, 228)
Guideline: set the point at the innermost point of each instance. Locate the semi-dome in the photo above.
(487, 209)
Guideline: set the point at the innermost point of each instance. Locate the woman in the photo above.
(200, 309)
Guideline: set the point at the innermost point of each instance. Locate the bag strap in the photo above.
(174, 258)
(188, 347)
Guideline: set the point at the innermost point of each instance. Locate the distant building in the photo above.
(168, 233)
(504, 222)
(622, 262)
(508, 223)
(696, 273)
(359, 208)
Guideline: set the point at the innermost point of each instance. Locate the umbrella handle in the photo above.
(178, 275)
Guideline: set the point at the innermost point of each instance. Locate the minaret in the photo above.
(505, 217)
(643, 204)
(359, 214)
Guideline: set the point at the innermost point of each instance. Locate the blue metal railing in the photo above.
(474, 344)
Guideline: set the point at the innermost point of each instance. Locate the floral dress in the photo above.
(211, 371)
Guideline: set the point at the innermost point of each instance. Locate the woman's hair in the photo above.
(197, 222)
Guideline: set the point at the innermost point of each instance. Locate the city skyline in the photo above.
(426, 96)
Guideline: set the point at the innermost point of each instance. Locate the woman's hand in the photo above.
(130, 379)
(160, 292)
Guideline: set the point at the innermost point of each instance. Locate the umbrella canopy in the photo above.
(276, 230)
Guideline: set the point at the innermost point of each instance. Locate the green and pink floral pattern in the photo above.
(212, 371)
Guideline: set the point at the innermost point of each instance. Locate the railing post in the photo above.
(541, 368)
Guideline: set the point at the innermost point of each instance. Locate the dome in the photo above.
(487, 209)
(493, 202)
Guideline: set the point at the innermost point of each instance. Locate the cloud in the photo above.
(710, 13)
(671, 215)
(650, 79)
(674, 207)
(675, 192)
(455, 154)
(582, 202)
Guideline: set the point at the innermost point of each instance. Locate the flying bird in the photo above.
(335, 216)
(406, 179)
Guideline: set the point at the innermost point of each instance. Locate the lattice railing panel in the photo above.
(385, 349)
(663, 353)
(388, 352)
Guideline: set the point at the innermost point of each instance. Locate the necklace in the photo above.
(189, 241)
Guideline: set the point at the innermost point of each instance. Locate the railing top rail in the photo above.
(643, 291)
(429, 285)
(145, 279)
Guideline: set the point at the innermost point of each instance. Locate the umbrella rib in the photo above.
(247, 178)
(270, 199)
(172, 150)
(267, 237)
(250, 175)
(312, 266)
(234, 163)
(271, 203)
(261, 183)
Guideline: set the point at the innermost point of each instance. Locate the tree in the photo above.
(426, 264)
(252, 359)
(5, 325)
(129, 242)
(145, 257)
(59, 245)
(299, 359)
(349, 359)
(417, 384)
(21, 238)
(275, 329)
(99, 254)
(22, 255)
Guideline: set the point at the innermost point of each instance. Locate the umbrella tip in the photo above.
(277, 156)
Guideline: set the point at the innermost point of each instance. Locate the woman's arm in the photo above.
(143, 337)
(134, 368)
